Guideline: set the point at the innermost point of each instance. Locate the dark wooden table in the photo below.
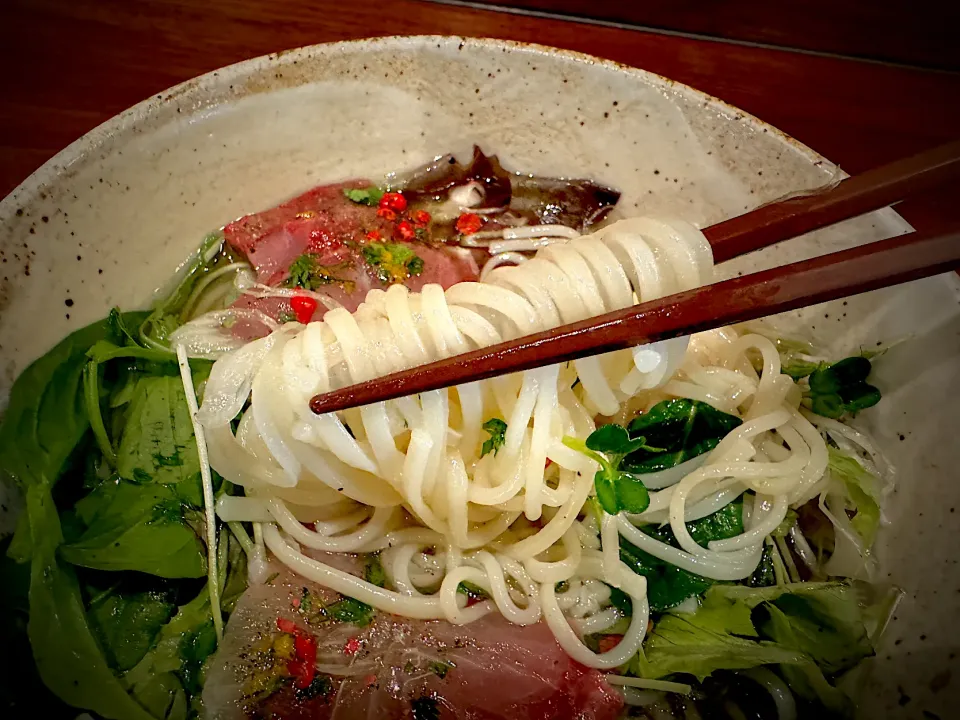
(71, 64)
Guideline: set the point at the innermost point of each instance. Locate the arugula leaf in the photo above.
(137, 527)
(350, 610)
(497, 430)
(842, 388)
(364, 196)
(681, 429)
(668, 585)
(392, 262)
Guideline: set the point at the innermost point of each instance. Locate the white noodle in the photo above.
(410, 477)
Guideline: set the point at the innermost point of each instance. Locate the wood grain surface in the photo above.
(71, 64)
(914, 32)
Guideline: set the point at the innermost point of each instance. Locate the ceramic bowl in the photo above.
(109, 219)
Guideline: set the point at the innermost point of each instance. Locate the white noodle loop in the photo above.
(413, 477)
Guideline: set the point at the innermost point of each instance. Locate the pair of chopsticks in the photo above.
(840, 274)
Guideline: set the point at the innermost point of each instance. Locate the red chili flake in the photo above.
(387, 214)
(303, 307)
(548, 463)
(352, 646)
(370, 680)
(295, 602)
(405, 231)
(393, 201)
(305, 647)
(287, 626)
(374, 235)
(469, 223)
(303, 672)
(608, 642)
(420, 217)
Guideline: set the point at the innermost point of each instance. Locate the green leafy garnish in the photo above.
(681, 429)
(497, 429)
(350, 610)
(799, 369)
(364, 196)
(813, 631)
(373, 571)
(473, 592)
(667, 584)
(392, 262)
(842, 388)
(307, 273)
(440, 668)
(132, 527)
(862, 490)
(320, 686)
(616, 491)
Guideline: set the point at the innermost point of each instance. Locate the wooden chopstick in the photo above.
(853, 196)
(752, 296)
(837, 275)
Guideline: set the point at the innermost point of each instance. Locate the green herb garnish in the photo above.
(473, 592)
(616, 490)
(392, 262)
(364, 196)
(373, 570)
(350, 610)
(497, 429)
(842, 387)
(683, 429)
(307, 273)
(440, 668)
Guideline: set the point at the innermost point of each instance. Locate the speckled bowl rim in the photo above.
(159, 103)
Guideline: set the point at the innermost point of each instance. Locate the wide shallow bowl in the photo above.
(109, 219)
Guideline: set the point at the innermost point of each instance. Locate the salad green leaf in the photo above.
(137, 527)
(157, 443)
(126, 624)
(667, 584)
(66, 652)
(814, 631)
(679, 429)
(46, 416)
(862, 489)
(842, 388)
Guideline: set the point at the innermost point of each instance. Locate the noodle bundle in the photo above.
(416, 478)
